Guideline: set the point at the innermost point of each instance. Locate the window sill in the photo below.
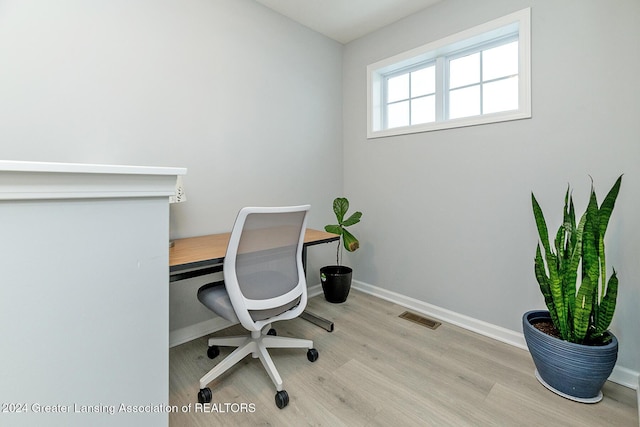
(451, 124)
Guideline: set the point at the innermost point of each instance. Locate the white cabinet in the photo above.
(84, 297)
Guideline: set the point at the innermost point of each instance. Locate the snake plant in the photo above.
(581, 312)
(349, 241)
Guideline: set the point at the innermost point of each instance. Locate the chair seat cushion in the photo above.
(214, 296)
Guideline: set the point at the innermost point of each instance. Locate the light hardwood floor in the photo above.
(379, 369)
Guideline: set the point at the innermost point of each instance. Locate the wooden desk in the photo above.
(206, 251)
(197, 256)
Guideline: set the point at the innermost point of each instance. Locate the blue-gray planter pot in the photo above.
(574, 371)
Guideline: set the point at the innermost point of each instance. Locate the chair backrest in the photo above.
(263, 269)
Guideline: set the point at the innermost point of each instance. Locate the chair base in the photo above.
(256, 344)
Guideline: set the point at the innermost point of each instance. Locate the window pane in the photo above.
(398, 114)
(464, 71)
(398, 88)
(423, 110)
(423, 82)
(500, 61)
(464, 102)
(501, 95)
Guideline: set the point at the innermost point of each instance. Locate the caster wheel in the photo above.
(272, 332)
(213, 351)
(312, 355)
(204, 395)
(282, 399)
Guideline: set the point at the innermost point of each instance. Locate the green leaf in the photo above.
(563, 236)
(590, 255)
(541, 224)
(340, 208)
(353, 219)
(607, 305)
(350, 242)
(582, 309)
(604, 214)
(607, 206)
(557, 293)
(335, 229)
(545, 288)
(570, 273)
(572, 222)
(559, 245)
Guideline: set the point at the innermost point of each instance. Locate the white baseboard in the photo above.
(625, 377)
(483, 328)
(620, 375)
(183, 335)
(314, 290)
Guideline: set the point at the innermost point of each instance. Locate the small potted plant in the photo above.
(571, 346)
(336, 279)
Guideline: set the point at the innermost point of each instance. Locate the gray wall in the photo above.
(249, 101)
(447, 214)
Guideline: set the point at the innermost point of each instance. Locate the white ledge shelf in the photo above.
(43, 180)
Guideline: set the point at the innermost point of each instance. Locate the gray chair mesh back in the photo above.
(266, 264)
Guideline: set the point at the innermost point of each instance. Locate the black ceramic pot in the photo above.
(574, 371)
(336, 282)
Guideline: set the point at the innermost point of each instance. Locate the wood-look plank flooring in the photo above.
(377, 369)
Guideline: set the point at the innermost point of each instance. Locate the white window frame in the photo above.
(516, 25)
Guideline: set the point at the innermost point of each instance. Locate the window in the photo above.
(474, 77)
(411, 97)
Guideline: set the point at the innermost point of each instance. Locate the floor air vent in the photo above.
(420, 320)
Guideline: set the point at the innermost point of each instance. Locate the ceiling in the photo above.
(346, 20)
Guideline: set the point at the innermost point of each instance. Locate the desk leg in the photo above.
(308, 316)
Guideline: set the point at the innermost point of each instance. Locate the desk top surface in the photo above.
(210, 249)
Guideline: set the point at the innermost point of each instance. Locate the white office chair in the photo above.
(264, 282)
